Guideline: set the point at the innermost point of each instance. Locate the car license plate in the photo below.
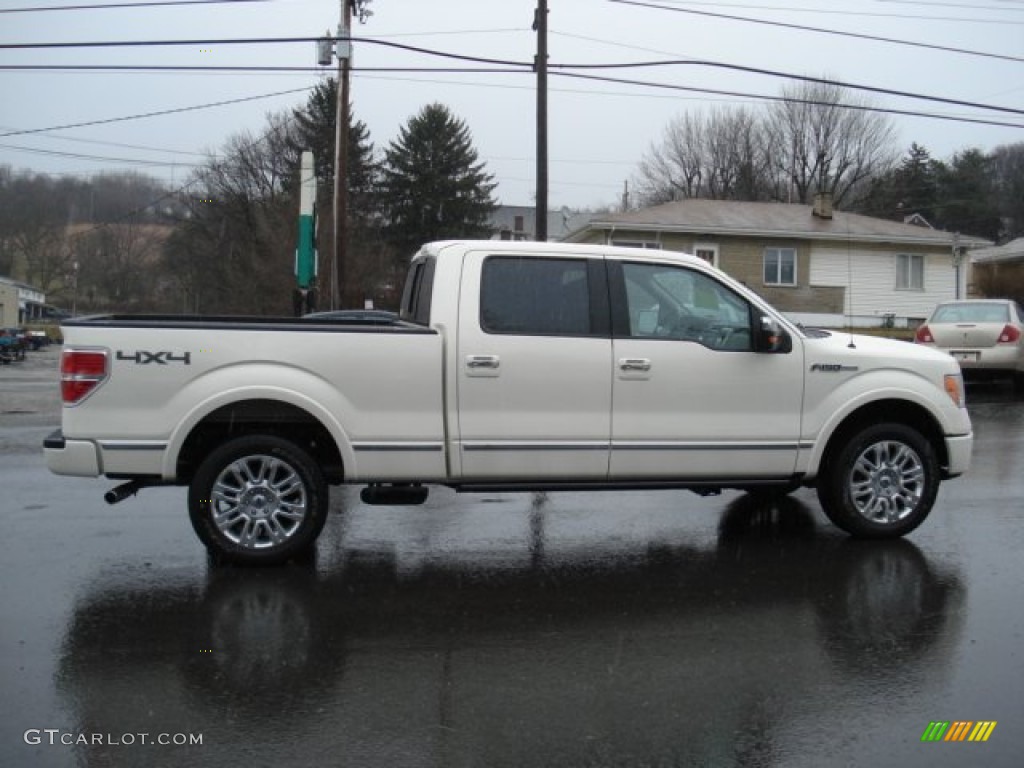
(971, 357)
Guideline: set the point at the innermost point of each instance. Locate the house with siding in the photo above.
(818, 265)
(519, 222)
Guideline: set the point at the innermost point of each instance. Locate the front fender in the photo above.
(826, 414)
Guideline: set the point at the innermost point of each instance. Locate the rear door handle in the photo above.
(635, 364)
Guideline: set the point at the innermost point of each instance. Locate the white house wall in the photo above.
(871, 277)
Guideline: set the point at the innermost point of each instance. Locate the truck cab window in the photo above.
(535, 297)
(686, 305)
(419, 288)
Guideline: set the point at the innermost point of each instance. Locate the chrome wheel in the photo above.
(887, 482)
(258, 501)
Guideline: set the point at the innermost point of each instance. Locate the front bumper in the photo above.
(958, 448)
(80, 458)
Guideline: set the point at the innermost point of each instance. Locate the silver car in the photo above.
(983, 335)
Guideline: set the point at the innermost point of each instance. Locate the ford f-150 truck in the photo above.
(512, 366)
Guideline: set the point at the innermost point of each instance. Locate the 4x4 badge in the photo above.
(142, 357)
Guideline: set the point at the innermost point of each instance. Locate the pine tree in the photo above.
(433, 185)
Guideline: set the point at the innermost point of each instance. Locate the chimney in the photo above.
(822, 205)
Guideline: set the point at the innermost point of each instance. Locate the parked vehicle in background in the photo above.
(38, 339)
(12, 345)
(986, 336)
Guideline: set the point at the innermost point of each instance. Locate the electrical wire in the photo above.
(820, 30)
(491, 70)
(867, 14)
(97, 158)
(791, 100)
(158, 113)
(116, 6)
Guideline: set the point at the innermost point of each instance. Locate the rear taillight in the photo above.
(924, 335)
(81, 372)
(1009, 335)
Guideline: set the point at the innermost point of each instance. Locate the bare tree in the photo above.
(233, 252)
(675, 168)
(824, 139)
(810, 141)
(721, 155)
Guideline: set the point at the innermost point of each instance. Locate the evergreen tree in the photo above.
(911, 187)
(1008, 162)
(968, 195)
(433, 185)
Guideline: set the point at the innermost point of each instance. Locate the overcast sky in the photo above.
(598, 131)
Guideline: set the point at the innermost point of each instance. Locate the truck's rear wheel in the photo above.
(258, 499)
(882, 483)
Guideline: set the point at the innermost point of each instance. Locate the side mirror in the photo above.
(772, 338)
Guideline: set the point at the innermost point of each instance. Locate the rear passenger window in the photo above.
(535, 297)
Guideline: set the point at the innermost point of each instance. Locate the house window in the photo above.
(909, 272)
(706, 252)
(780, 266)
(636, 244)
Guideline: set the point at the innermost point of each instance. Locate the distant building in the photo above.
(519, 222)
(999, 271)
(19, 303)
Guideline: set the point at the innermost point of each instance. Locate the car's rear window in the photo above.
(972, 313)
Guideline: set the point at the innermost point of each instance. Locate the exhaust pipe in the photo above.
(121, 492)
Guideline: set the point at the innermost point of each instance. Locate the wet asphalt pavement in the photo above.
(621, 629)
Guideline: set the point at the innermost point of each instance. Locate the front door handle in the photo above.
(482, 361)
(635, 364)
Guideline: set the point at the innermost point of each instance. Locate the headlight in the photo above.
(953, 383)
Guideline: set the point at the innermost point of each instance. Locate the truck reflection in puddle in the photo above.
(654, 652)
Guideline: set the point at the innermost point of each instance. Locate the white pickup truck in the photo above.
(513, 366)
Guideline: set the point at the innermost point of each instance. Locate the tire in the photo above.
(258, 500)
(882, 483)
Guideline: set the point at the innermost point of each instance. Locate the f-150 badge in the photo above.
(832, 368)
(143, 357)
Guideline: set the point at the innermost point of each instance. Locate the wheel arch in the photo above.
(257, 414)
(890, 410)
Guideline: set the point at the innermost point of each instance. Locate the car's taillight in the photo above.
(924, 335)
(1009, 335)
(81, 372)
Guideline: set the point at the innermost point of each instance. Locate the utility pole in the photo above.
(344, 53)
(540, 23)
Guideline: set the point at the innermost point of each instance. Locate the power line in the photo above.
(97, 158)
(267, 40)
(956, 5)
(623, 65)
(115, 6)
(868, 14)
(787, 99)
(802, 78)
(155, 114)
(832, 11)
(821, 30)
(121, 145)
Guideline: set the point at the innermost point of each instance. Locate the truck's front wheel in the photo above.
(882, 483)
(258, 499)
